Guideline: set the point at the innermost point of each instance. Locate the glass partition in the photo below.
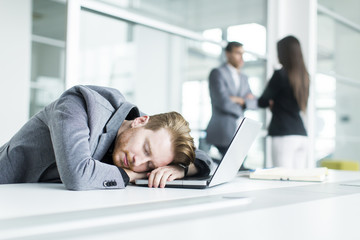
(145, 64)
(48, 53)
(197, 15)
(349, 10)
(337, 86)
(107, 56)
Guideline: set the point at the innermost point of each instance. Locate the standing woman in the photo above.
(287, 94)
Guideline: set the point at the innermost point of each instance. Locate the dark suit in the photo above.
(68, 139)
(225, 113)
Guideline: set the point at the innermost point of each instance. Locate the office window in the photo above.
(196, 104)
(214, 35)
(252, 35)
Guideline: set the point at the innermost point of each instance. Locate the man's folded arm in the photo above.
(70, 136)
(220, 97)
(203, 163)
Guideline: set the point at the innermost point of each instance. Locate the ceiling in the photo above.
(49, 16)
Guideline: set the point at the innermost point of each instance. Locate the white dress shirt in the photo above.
(235, 74)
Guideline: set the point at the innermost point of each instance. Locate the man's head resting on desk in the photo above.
(148, 142)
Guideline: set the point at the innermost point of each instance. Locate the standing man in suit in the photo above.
(92, 138)
(230, 96)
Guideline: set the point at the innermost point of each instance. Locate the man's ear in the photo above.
(140, 121)
(227, 54)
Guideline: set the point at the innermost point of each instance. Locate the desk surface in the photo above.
(270, 210)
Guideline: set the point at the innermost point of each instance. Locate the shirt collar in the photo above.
(232, 68)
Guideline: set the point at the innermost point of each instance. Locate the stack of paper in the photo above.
(287, 174)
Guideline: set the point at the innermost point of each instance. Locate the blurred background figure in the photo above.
(230, 95)
(287, 95)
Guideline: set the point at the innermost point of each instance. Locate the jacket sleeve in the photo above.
(203, 163)
(220, 96)
(70, 134)
(271, 90)
(249, 103)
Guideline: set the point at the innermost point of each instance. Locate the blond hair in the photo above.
(178, 127)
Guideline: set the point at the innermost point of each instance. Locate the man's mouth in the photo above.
(126, 162)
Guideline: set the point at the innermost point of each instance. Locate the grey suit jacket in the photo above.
(66, 141)
(222, 125)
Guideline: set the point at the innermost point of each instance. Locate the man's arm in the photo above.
(250, 101)
(220, 96)
(135, 175)
(70, 134)
(201, 167)
(203, 163)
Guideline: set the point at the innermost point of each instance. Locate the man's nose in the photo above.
(138, 160)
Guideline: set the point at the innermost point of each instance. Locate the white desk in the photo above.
(278, 210)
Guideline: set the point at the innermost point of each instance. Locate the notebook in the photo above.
(287, 174)
(229, 165)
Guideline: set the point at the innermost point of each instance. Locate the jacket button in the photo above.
(109, 183)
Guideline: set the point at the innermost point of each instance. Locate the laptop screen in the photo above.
(239, 146)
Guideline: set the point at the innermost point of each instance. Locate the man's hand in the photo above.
(250, 96)
(159, 176)
(241, 101)
(238, 100)
(134, 175)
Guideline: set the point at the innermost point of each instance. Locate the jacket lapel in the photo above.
(241, 88)
(229, 80)
(111, 129)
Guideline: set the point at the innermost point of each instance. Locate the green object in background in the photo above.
(340, 165)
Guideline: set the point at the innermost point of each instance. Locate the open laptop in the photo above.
(230, 163)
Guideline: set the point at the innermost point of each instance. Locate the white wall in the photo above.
(160, 58)
(152, 83)
(15, 49)
(176, 75)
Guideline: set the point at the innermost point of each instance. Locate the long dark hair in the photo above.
(291, 58)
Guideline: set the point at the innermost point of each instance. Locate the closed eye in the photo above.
(147, 148)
